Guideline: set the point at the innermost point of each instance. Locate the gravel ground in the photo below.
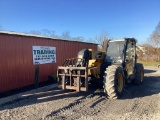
(138, 103)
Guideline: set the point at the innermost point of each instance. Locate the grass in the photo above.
(149, 63)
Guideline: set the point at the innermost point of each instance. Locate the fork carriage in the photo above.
(73, 75)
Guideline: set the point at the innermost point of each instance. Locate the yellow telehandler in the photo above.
(115, 66)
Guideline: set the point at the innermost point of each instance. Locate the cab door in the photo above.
(130, 57)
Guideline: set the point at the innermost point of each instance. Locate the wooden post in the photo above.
(63, 82)
(78, 84)
(86, 78)
(36, 77)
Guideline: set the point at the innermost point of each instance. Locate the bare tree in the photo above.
(99, 39)
(43, 32)
(78, 38)
(154, 38)
(154, 41)
(48, 33)
(158, 28)
(35, 32)
(92, 40)
(56, 37)
(66, 35)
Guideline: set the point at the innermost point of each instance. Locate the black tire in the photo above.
(114, 81)
(139, 74)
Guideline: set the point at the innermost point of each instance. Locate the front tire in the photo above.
(114, 81)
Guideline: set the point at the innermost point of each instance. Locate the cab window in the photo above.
(130, 50)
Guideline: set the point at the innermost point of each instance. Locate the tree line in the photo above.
(152, 46)
(151, 51)
(99, 38)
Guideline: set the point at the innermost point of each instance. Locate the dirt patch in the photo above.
(138, 103)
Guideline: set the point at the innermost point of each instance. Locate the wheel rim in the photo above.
(119, 82)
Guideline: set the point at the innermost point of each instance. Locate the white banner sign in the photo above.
(43, 54)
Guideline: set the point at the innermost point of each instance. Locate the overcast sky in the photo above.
(87, 18)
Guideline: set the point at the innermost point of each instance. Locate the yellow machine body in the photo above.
(97, 58)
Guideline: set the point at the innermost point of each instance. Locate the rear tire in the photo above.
(139, 75)
(114, 82)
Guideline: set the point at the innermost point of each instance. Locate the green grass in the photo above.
(149, 63)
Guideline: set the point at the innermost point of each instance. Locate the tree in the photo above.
(35, 32)
(99, 39)
(154, 41)
(49, 33)
(43, 32)
(154, 38)
(78, 38)
(66, 35)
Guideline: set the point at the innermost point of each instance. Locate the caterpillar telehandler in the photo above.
(115, 67)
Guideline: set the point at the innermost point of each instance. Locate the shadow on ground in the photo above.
(150, 87)
(149, 71)
(24, 89)
(51, 95)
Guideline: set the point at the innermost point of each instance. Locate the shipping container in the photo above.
(16, 58)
